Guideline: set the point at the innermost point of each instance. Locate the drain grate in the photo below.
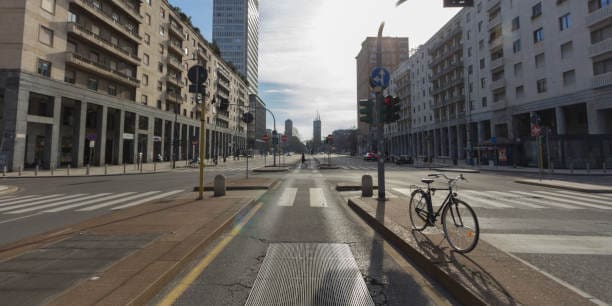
(309, 274)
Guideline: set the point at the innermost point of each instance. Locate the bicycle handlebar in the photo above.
(450, 180)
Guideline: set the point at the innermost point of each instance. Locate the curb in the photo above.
(229, 188)
(456, 170)
(585, 190)
(457, 289)
(260, 170)
(156, 285)
(351, 187)
(79, 176)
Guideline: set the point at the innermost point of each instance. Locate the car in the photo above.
(404, 159)
(370, 156)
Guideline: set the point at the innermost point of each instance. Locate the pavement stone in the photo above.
(484, 276)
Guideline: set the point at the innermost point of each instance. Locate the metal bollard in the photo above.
(124, 168)
(4, 171)
(219, 185)
(366, 186)
(20, 169)
(68, 170)
(589, 168)
(105, 169)
(87, 170)
(36, 170)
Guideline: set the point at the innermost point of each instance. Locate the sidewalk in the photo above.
(485, 276)
(120, 258)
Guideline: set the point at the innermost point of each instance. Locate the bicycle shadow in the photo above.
(462, 267)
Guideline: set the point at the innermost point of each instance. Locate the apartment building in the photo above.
(105, 82)
(399, 87)
(502, 67)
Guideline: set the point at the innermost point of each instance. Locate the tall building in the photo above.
(395, 50)
(257, 128)
(316, 134)
(289, 128)
(100, 81)
(502, 69)
(236, 33)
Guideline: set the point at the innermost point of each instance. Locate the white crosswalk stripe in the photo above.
(501, 196)
(141, 201)
(475, 198)
(573, 200)
(24, 198)
(40, 200)
(68, 207)
(118, 201)
(531, 198)
(54, 204)
(288, 197)
(317, 198)
(588, 195)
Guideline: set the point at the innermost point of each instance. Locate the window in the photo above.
(45, 36)
(94, 57)
(479, 26)
(564, 22)
(160, 67)
(44, 68)
(112, 89)
(601, 67)
(484, 101)
(482, 63)
(469, 51)
(538, 35)
(70, 76)
(483, 82)
(161, 49)
(159, 85)
(144, 99)
(147, 39)
(481, 45)
(148, 19)
(569, 77)
(519, 92)
(162, 31)
(159, 104)
(567, 50)
(539, 60)
(516, 24)
(541, 85)
(162, 13)
(145, 80)
(48, 5)
(518, 69)
(470, 69)
(92, 84)
(516, 46)
(71, 46)
(145, 59)
(536, 10)
(72, 17)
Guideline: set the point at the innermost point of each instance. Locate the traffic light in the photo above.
(366, 108)
(391, 109)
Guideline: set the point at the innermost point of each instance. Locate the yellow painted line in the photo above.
(186, 281)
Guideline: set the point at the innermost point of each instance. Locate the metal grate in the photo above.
(309, 274)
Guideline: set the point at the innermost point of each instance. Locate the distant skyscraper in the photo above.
(316, 134)
(236, 32)
(289, 128)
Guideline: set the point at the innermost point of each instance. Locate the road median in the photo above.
(565, 185)
(485, 276)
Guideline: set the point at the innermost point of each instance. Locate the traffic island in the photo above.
(565, 185)
(328, 167)
(485, 276)
(123, 258)
(255, 183)
(271, 169)
(350, 186)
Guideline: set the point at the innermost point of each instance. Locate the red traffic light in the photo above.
(264, 137)
(388, 99)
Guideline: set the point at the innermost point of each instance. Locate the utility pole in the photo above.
(379, 120)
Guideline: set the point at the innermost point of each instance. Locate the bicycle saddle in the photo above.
(427, 181)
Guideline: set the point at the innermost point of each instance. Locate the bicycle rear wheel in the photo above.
(418, 210)
(460, 226)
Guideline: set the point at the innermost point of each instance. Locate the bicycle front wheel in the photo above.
(418, 210)
(460, 226)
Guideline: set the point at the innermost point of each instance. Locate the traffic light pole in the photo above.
(379, 122)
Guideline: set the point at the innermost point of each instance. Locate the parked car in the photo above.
(370, 156)
(404, 159)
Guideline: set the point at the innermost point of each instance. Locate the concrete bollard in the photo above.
(367, 189)
(36, 170)
(219, 185)
(552, 167)
(105, 169)
(20, 169)
(68, 170)
(51, 169)
(87, 170)
(4, 171)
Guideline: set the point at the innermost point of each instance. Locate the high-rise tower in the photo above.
(316, 134)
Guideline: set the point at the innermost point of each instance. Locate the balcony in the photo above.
(496, 63)
(446, 86)
(599, 15)
(602, 80)
(101, 69)
(101, 42)
(174, 63)
(129, 9)
(175, 81)
(600, 47)
(173, 97)
(447, 69)
(176, 30)
(492, 4)
(130, 32)
(495, 21)
(175, 46)
(494, 43)
(499, 83)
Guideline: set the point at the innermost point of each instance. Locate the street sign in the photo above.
(380, 77)
(156, 138)
(91, 136)
(494, 140)
(284, 138)
(247, 118)
(92, 143)
(536, 130)
(199, 88)
(197, 74)
(264, 138)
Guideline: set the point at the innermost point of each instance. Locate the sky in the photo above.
(307, 51)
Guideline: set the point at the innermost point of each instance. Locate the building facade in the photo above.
(105, 82)
(502, 69)
(395, 51)
(316, 134)
(236, 33)
(257, 128)
(289, 128)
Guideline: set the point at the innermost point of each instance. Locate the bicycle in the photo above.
(459, 221)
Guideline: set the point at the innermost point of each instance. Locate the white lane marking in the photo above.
(551, 244)
(18, 200)
(583, 196)
(54, 204)
(543, 202)
(67, 207)
(477, 196)
(580, 202)
(599, 196)
(317, 198)
(504, 197)
(7, 197)
(115, 202)
(20, 218)
(155, 197)
(288, 197)
(40, 201)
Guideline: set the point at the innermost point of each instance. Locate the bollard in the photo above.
(36, 170)
(124, 168)
(4, 171)
(219, 185)
(51, 169)
(589, 168)
(68, 170)
(366, 186)
(572, 167)
(105, 169)
(87, 170)
(20, 168)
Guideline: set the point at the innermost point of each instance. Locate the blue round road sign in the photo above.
(380, 77)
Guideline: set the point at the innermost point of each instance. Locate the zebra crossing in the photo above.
(514, 199)
(316, 197)
(82, 202)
